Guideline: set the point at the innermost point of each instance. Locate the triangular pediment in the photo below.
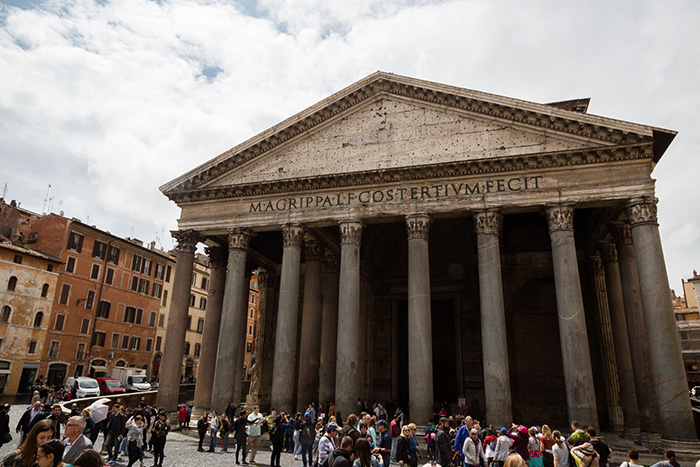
(386, 122)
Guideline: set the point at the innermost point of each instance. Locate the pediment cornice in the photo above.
(607, 131)
(540, 161)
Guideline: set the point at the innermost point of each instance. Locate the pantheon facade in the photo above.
(423, 243)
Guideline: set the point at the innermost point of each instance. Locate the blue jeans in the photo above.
(212, 445)
(307, 448)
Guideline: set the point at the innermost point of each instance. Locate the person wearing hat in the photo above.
(503, 444)
(307, 437)
(384, 447)
(520, 441)
(328, 442)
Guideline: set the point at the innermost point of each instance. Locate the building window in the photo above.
(248, 347)
(70, 265)
(165, 298)
(194, 279)
(45, 290)
(187, 348)
(167, 273)
(75, 242)
(95, 272)
(251, 313)
(12, 283)
(5, 314)
(134, 283)
(85, 326)
(115, 340)
(135, 343)
(99, 250)
(192, 299)
(18, 259)
(189, 321)
(120, 363)
(80, 352)
(32, 348)
(38, 319)
(202, 303)
(200, 325)
(60, 322)
(143, 286)
(136, 263)
(146, 268)
(157, 290)
(152, 319)
(130, 314)
(53, 349)
(197, 349)
(113, 256)
(204, 283)
(90, 300)
(98, 339)
(49, 268)
(109, 278)
(65, 294)
(125, 341)
(160, 271)
(159, 341)
(161, 320)
(139, 316)
(250, 330)
(103, 309)
(149, 344)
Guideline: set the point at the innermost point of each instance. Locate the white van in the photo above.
(84, 387)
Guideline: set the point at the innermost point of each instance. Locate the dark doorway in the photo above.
(26, 380)
(56, 375)
(445, 385)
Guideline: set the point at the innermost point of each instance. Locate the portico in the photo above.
(433, 242)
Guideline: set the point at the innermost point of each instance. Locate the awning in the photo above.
(99, 368)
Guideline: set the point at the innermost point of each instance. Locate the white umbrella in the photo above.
(99, 409)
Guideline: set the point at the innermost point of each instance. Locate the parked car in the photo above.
(82, 387)
(133, 379)
(110, 386)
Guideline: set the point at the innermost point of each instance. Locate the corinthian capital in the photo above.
(314, 250)
(621, 233)
(331, 263)
(597, 265)
(218, 256)
(292, 235)
(488, 222)
(608, 252)
(642, 211)
(350, 231)
(186, 240)
(239, 238)
(418, 226)
(560, 217)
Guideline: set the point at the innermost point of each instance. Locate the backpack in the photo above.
(492, 445)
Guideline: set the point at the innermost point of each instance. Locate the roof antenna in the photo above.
(46, 199)
(4, 191)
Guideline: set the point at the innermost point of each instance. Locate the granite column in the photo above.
(329, 331)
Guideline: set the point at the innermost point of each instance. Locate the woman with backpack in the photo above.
(560, 451)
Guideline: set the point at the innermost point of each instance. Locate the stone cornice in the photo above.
(540, 161)
(607, 131)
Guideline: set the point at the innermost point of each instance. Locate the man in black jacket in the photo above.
(114, 433)
(342, 456)
(4, 423)
(349, 428)
(443, 445)
(29, 418)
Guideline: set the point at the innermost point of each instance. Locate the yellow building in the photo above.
(688, 320)
(27, 286)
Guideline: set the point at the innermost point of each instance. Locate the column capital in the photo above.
(597, 265)
(418, 225)
(239, 237)
(351, 231)
(263, 277)
(218, 256)
(621, 232)
(331, 263)
(608, 252)
(560, 217)
(488, 222)
(186, 240)
(313, 249)
(642, 211)
(292, 235)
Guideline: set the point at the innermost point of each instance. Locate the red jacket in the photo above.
(182, 414)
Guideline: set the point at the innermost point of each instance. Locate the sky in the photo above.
(104, 101)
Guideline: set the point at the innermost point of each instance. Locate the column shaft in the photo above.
(329, 334)
(671, 386)
(310, 348)
(283, 377)
(210, 333)
(347, 376)
(420, 336)
(628, 395)
(636, 329)
(261, 379)
(578, 373)
(240, 376)
(171, 365)
(494, 341)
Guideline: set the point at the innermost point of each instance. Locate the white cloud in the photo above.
(107, 100)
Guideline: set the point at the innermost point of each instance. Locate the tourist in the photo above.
(5, 436)
(588, 456)
(25, 454)
(349, 428)
(182, 416)
(341, 457)
(328, 442)
(394, 432)
(364, 457)
(473, 451)
(159, 434)
(213, 429)
(297, 434)
(560, 452)
(31, 416)
(225, 430)
(402, 447)
(89, 425)
(533, 448)
(443, 444)
(75, 441)
(515, 460)
(134, 439)
(632, 458)
(490, 442)
(239, 432)
(384, 441)
(578, 434)
(255, 421)
(547, 442)
(277, 440)
(288, 433)
(670, 460)
(114, 433)
(503, 444)
(413, 447)
(520, 441)
(89, 458)
(49, 454)
(600, 446)
(202, 426)
(306, 437)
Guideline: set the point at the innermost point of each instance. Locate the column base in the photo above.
(652, 441)
(685, 450)
(618, 429)
(631, 432)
